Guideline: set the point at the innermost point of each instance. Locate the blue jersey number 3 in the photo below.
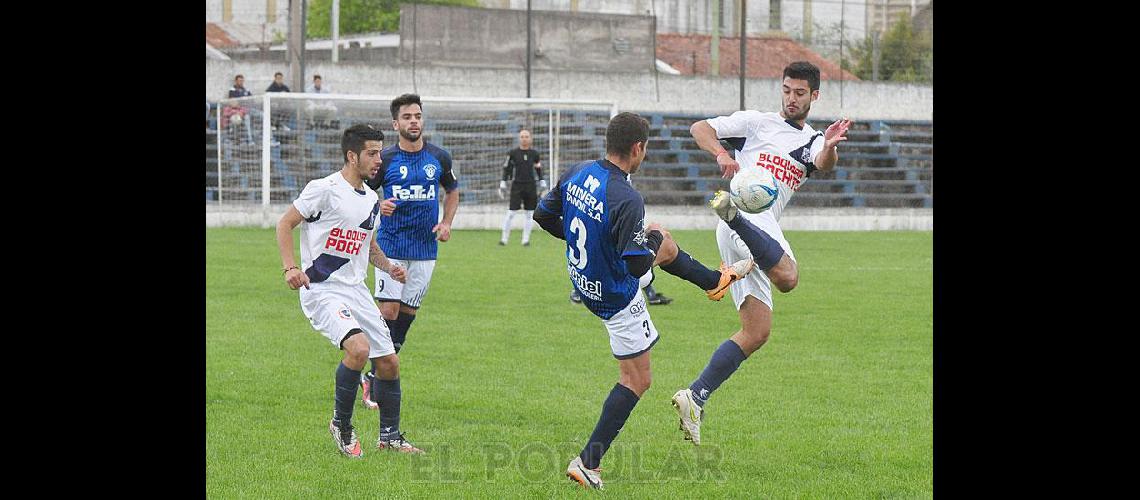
(578, 229)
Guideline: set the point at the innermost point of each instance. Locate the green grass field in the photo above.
(503, 380)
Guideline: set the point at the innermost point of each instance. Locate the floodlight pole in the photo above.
(528, 49)
(743, 46)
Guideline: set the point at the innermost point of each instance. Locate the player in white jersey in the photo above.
(339, 217)
(787, 146)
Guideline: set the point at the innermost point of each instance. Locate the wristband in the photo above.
(653, 240)
(722, 152)
(287, 269)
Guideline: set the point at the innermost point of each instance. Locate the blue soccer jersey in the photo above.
(603, 219)
(412, 179)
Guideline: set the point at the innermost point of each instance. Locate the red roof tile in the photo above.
(767, 56)
(218, 38)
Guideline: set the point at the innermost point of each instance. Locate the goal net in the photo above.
(270, 146)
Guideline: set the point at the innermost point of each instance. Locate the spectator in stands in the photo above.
(278, 117)
(236, 114)
(316, 87)
(239, 90)
(322, 113)
(278, 84)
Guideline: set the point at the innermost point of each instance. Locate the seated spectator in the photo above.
(239, 90)
(316, 87)
(234, 109)
(278, 84)
(234, 123)
(279, 116)
(321, 113)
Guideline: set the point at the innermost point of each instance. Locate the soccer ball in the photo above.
(235, 119)
(753, 189)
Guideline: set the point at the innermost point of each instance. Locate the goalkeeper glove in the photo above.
(502, 189)
(542, 185)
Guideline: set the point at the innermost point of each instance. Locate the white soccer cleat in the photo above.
(399, 445)
(346, 442)
(588, 478)
(690, 414)
(722, 205)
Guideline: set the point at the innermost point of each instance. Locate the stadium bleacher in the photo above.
(884, 163)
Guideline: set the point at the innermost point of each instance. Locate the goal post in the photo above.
(270, 146)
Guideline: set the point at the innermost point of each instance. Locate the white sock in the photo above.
(507, 225)
(527, 225)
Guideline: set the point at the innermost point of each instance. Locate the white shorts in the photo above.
(631, 330)
(411, 293)
(645, 279)
(732, 249)
(334, 310)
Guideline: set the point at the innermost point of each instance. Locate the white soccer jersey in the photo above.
(338, 228)
(773, 143)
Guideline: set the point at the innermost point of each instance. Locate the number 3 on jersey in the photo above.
(578, 229)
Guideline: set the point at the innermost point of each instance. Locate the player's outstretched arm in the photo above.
(294, 277)
(706, 138)
(835, 133)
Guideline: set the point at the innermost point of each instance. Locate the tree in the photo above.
(904, 55)
(363, 16)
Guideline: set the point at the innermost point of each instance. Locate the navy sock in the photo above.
(765, 250)
(388, 395)
(347, 380)
(724, 361)
(374, 389)
(619, 404)
(691, 270)
(399, 329)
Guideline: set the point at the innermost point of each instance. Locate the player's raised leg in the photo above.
(766, 251)
(671, 259)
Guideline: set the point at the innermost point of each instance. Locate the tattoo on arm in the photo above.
(376, 256)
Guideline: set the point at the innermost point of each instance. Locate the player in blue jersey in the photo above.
(413, 175)
(609, 252)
